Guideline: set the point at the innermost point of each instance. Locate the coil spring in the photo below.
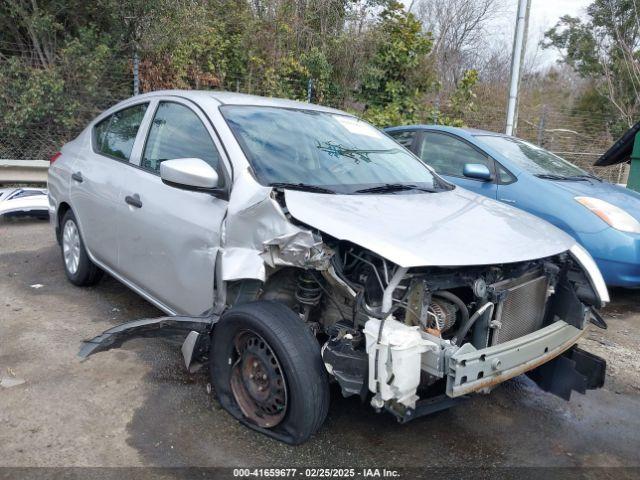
(308, 291)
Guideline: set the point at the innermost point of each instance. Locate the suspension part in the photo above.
(308, 291)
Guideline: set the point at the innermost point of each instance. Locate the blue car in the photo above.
(603, 217)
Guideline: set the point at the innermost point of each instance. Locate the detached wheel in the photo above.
(78, 266)
(267, 371)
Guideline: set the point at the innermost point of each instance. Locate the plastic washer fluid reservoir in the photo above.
(401, 348)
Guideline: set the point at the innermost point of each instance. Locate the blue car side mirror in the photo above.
(477, 171)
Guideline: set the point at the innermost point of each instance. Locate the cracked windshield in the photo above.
(324, 152)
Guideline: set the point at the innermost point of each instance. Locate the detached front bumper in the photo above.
(470, 370)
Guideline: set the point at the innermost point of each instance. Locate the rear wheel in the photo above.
(78, 266)
(267, 371)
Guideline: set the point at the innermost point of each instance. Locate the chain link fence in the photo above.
(575, 136)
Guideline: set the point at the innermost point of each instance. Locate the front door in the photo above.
(448, 154)
(169, 236)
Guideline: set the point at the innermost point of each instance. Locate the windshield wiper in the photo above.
(549, 176)
(301, 186)
(393, 187)
(587, 176)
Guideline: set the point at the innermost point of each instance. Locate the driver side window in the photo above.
(448, 155)
(177, 132)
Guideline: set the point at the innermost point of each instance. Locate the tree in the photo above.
(604, 48)
(460, 29)
(396, 75)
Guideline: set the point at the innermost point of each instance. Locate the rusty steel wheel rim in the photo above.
(257, 380)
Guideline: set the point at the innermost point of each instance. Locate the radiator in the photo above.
(522, 309)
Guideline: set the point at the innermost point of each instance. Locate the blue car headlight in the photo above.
(614, 216)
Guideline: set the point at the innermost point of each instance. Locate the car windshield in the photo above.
(323, 151)
(530, 157)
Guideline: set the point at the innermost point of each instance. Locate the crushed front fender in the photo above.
(146, 328)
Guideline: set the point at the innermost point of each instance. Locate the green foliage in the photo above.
(401, 45)
(31, 96)
(462, 101)
(390, 88)
(604, 49)
(58, 98)
(63, 61)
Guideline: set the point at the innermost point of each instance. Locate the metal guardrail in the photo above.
(23, 171)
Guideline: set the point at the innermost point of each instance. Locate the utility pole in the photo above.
(309, 90)
(134, 33)
(136, 78)
(517, 57)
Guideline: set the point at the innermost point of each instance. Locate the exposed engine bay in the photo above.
(390, 330)
(414, 339)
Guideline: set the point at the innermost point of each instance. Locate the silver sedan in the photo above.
(294, 244)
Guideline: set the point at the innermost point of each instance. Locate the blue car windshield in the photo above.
(531, 158)
(324, 150)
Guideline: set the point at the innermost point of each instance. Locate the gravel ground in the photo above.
(137, 406)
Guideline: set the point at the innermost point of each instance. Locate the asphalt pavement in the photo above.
(137, 405)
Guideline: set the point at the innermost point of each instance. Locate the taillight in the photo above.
(55, 157)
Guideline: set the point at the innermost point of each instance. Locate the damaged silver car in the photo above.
(295, 245)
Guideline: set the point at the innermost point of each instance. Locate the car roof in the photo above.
(233, 98)
(446, 128)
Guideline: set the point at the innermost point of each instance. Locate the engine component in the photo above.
(396, 358)
(480, 288)
(443, 315)
(346, 363)
(434, 315)
(417, 297)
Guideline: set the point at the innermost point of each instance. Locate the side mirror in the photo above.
(477, 171)
(189, 173)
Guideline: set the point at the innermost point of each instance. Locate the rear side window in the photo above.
(448, 155)
(177, 132)
(115, 135)
(404, 138)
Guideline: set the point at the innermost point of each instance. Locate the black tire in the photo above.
(87, 273)
(296, 351)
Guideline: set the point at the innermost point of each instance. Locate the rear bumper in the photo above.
(470, 370)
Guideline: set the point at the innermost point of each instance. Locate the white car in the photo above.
(24, 201)
(295, 244)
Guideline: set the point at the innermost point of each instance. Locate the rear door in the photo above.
(96, 181)
(170, 237)
(447, 154)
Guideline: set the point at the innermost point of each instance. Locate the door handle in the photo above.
(77, 176)
(508, 200)
(133, 200)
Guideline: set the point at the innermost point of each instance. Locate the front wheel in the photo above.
(267, 371)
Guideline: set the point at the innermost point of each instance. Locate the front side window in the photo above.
(504, 176)
(334, 151)
(531, 158)
(177, 132)
(115, 135)
(448, 155)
